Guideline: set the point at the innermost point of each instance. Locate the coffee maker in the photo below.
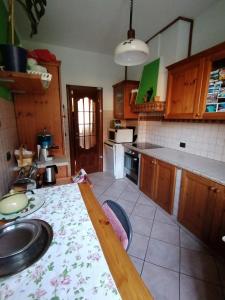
(44, 144)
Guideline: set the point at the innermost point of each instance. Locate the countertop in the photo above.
(206, 167)
(58, 161)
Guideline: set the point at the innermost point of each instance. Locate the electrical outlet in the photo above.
(182, 144)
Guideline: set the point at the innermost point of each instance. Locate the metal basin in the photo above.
(22, 243)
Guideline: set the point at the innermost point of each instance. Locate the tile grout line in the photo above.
(148, 241)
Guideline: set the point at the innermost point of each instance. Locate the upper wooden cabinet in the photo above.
(122, 97)
(202, 209)
(36, 112)
(157, 180)
(183, 93)
(196, 86)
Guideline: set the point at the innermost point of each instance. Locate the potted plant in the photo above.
(14, 57)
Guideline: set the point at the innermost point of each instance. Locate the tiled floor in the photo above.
(171, 261)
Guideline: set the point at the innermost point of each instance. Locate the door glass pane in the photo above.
(80, 105)
(81, 129)
(86, 104)
(86, 123)
(80, 117)
(86, 129)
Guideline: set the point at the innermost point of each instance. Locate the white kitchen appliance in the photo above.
(114, 159)
(121, 135)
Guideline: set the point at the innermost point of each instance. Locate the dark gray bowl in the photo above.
(23, 251)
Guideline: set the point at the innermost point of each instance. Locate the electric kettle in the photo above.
(49, 175)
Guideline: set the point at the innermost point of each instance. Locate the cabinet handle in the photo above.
(197, 115)
(217, 191)
(212, 188)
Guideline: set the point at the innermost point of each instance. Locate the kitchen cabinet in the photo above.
(196, 86)
(202, 209)
(157, 181)
(212, 104)
(36, 112)
(165, 185)
(122, 99)
(183, 92)
(147, 175)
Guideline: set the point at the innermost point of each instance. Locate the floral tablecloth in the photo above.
(74, 266)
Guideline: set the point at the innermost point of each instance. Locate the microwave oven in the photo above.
(121, 135)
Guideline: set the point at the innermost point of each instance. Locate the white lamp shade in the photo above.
(131, 52)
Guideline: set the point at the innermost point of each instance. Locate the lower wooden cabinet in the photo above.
(157, 180)
(165, 185)
(202, 209)
(147, 176)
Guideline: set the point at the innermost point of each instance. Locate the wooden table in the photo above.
(128, 281)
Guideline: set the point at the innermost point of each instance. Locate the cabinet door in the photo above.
(183, 90)
(218, 224)
(147, 177)
(129, 86)
(118, 94)
(212, 103)
(196, 204)
(165, 185)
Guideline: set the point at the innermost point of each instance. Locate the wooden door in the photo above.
(165, 185)
(183, 90)
(147, 176)
(197, 200)
(85, 127)
(35, 112)
(218, 224)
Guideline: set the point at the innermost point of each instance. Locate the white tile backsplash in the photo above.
(206, 139)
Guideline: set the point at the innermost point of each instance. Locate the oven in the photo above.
(131, 165)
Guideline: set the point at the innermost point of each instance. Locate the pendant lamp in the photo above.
(131, 52)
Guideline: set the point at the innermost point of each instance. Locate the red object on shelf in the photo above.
(42, 55)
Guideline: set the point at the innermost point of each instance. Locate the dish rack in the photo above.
(45, 77)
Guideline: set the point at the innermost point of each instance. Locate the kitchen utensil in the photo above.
(49, 175)
(34, 203)
(22, 243)
(17, 236)
(13, 202)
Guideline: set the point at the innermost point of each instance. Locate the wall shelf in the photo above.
(22, 83)
(153, 106)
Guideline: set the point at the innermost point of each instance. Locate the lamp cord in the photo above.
(131, 13)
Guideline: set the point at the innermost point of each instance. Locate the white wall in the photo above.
(88, 69)
(209, 27)
(171, 46)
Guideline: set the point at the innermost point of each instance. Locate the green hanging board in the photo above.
(148, 85)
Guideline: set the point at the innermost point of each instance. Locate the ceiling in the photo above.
(99, 25)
